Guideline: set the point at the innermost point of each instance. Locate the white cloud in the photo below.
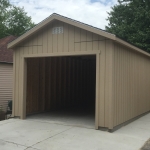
(92, 13)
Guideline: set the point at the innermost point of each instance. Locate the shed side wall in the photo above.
(131, 84)
(6, 79)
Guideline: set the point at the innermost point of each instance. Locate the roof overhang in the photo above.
(118, 40)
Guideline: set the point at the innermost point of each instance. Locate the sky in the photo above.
(92, 12)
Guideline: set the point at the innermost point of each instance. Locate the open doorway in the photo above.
(62, 89)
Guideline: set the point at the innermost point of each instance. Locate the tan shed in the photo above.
(64, 63)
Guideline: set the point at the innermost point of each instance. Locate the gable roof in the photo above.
(81, 25)
(5, 54)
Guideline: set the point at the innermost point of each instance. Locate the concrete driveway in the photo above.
(33, 134)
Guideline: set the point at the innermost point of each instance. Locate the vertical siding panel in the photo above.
(30, 46)
(109, 93)
(77, 82)
(55, 43)
(77, 34)
(118, 83)
(83, 40)
(122, 105)
(17, 83)
(45, 39)
(106, 91)
(48, 83)
(95, 45)
(60, 39)
(55, 83)
(73, 82)
(89, 46)
(134, 81)
(95, 37)
(14, 84)
(81, 71)
(125, 98)
(89, 42)
(63, 82)
(41, 103)
(59, 81)
(35, 43)
(35, 85)
(101, 45)
(102, 86)
(55, 39)
(66, 38)
(50, 38)
(40, 42)
(71, 38)
(20, 79)
(77, 39)
(69, 81)
(89, 36)
(77, 46)
(95, 42)
(115, 85)
(127, 93)
(131, 82)
(29, 88)
(26, 50)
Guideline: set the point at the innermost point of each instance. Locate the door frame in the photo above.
(24, 77)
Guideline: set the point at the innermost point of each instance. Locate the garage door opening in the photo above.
(62, 89)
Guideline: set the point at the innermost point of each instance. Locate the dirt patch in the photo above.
(146, 146)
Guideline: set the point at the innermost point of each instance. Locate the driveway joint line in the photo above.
(49, 138)
(12, 142)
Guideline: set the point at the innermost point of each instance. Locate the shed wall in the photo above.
(73, 40)
(131, 84)
(6, 79)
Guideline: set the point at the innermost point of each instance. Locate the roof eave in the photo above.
(30, 32)
(118, 40)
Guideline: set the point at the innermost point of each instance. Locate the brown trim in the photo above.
(97, 91)
(24, 78)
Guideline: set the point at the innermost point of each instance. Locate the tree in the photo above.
(130, 20)
(4, 4)
(13, 20)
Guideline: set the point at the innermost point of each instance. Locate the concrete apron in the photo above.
(79, 118)
(16, 134)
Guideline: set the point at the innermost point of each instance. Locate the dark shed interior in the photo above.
(56, 83)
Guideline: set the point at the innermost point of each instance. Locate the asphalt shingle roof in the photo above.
(6, 55)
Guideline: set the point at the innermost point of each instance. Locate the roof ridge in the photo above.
(55, 15)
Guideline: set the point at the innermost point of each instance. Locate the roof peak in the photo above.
(59, 17)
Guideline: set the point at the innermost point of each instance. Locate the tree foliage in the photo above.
(13, 20)
(130, 20)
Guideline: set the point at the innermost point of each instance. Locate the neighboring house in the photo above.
(6, 71)
(64, 63)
